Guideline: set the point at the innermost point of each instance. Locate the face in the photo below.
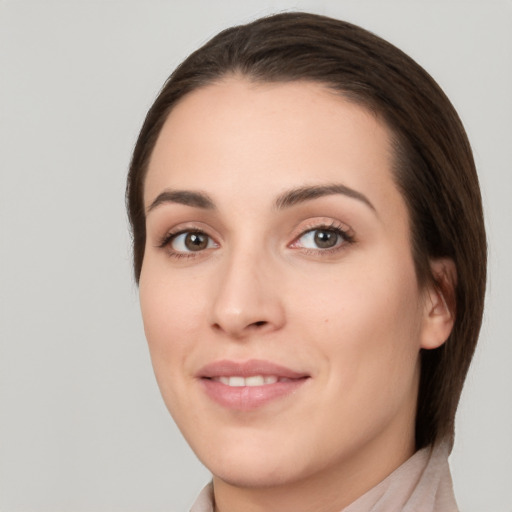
(278, 289)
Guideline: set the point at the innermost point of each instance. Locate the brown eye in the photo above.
(191, 241)
(196, 241)
(325, 238)
(322, 238)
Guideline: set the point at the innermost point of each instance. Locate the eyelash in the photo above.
(168, 238)
(347, 238)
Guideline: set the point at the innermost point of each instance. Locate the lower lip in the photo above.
(247, 398)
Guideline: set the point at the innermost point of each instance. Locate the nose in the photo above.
(247, 298)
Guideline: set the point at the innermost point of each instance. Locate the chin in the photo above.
(255, 473)
(251, 460)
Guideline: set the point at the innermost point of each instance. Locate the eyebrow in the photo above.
(302, 194)
(186, 197)
(286, 200)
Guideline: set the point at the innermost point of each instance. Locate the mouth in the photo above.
(249, 385)
(236, 381)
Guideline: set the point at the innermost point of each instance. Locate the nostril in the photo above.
(261, 323)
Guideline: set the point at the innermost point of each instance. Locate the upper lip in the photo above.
(223, 368)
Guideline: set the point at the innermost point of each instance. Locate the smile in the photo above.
(249, 385)
(255, 380)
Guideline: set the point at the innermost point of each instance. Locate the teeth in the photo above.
(257, 380)
(254, 380)
(236, 382)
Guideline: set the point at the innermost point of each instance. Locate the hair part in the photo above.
(433, 163)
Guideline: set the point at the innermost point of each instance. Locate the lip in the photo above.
(246, 398)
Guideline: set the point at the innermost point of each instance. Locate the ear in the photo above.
(439, 307)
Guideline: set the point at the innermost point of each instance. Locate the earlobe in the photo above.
(439, 312)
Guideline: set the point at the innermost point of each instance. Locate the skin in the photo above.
(353, 317)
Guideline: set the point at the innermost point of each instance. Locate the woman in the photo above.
(310, 250)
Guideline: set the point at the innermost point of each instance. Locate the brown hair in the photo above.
(434, 167)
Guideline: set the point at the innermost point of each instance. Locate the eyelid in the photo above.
(175, 228)
(165, 241)
(170, 236)
(323, 223)
(312, 224)
(173, 240)
(342, 229)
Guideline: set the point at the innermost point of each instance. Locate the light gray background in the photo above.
(82, 425)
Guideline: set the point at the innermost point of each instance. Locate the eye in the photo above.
(190, 241)
(322, 238)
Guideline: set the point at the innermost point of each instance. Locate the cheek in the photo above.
(367, 325)
(172, 310)
(170, 302)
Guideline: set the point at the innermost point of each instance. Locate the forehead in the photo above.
(236, 135)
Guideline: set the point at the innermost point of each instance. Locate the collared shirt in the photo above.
(421, 484)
